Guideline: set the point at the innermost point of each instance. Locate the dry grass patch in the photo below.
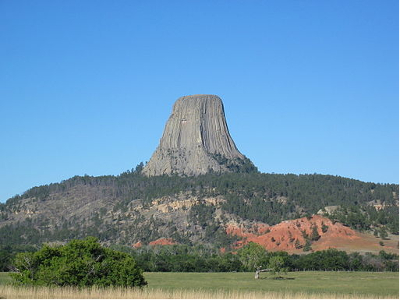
(7, 292)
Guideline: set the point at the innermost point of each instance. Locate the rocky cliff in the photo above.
(196, 140)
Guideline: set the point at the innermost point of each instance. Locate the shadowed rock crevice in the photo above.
(196, 140)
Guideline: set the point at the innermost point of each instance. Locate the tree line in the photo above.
(183, 258)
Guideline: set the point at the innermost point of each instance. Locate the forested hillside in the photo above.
(132, 208)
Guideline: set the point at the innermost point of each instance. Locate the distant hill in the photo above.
(196, 186)
(132, 208)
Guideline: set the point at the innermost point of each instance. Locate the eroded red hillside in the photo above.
(291, 235)
(137, 245)
(162, 241)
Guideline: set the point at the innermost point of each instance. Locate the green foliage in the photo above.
(78, 263)
(330, 259)
(307, 246)
(324, 227)
(252, 255)
(363, 218)
(7, 254)
(298, 245)
(182, 258)
(315, 236)
(201, 214)
(383, 233)
(277, 265)
(333, 259)
(236, 165)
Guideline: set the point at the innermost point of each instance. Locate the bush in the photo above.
(79, 263)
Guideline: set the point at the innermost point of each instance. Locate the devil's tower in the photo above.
(196, 140)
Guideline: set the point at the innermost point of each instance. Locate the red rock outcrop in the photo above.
(290, 235)
(162, 241)
(137, 245)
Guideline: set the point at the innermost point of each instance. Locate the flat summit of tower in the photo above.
(196, 140)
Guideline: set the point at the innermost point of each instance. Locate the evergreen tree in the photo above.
(315, 236)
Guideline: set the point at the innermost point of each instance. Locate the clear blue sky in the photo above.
(87, 86)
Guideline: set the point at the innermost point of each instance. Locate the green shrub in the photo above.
(79, 263)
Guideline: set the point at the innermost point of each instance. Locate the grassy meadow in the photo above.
(347, 285)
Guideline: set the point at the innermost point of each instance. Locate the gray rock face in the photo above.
(195, 140)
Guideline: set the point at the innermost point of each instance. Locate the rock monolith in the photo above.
(196, 140)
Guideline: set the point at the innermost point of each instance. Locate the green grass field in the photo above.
(295, 285)
(357, 283)
(4, 278)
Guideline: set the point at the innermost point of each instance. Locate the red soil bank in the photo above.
(162, 241)
(283, 236)
(137, 245)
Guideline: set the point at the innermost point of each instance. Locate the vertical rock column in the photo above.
(195, 134)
